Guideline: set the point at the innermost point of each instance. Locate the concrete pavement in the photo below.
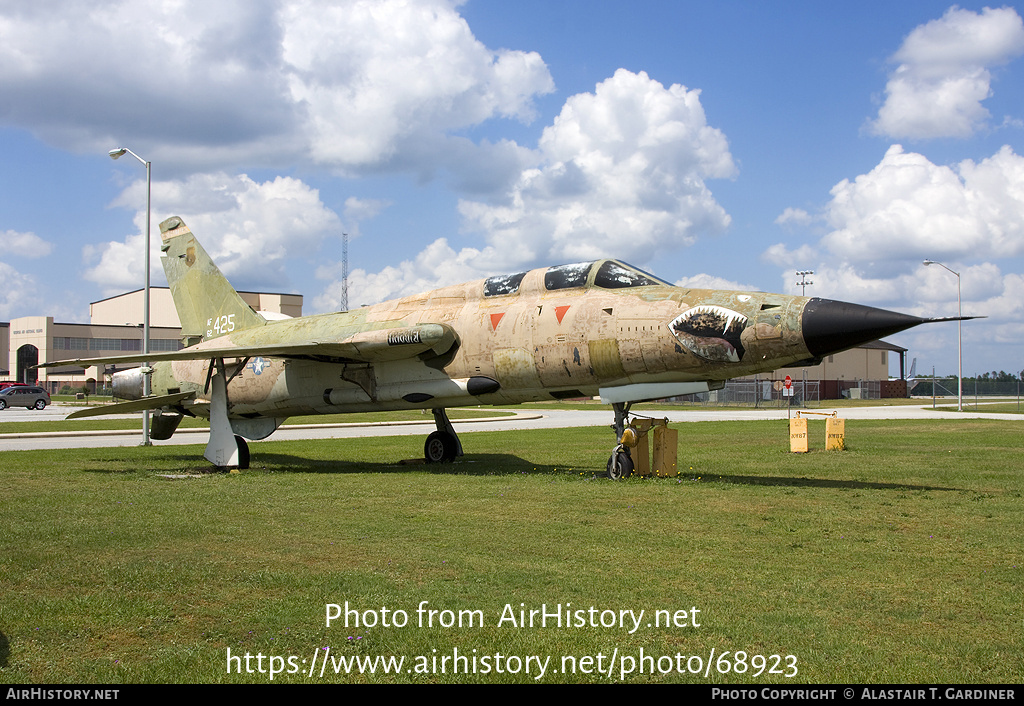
(523, 419)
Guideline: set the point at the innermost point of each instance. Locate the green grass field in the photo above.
(1004, 407)
(898, 560)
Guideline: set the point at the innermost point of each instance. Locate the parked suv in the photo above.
(23, 396)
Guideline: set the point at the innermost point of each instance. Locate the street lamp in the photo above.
(803, 281)
(146, 382)
(959, 339)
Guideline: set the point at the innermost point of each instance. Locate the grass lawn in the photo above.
(898, 560)
(1004, 407)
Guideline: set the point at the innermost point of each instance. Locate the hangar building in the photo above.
(115, 326)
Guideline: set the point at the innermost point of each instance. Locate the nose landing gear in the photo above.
(633, 453)
(620, 465)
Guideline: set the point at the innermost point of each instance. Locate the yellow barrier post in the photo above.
(798, 434)
(835, 434)
(666, 447)
(641, 456)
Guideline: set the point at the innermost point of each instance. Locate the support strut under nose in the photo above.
(620, 465)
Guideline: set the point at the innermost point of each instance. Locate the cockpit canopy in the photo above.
(607, 274)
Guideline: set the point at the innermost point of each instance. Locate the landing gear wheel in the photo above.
(243, 453)
(440, 447)
(40, 405)
(620, 465)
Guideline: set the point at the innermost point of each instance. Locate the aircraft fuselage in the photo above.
(529, 345)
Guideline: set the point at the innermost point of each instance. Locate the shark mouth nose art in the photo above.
(711, 332)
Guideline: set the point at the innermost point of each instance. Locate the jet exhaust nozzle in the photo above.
(127, 384)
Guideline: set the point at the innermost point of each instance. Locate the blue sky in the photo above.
(721, 144)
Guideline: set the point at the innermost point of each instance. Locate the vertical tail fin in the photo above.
(208, 306)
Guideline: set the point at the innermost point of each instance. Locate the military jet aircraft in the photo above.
(584, 329)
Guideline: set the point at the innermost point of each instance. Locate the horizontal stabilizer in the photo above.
(133, 406)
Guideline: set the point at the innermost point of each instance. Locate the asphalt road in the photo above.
(524, 419)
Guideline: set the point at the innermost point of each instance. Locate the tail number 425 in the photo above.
(220, 325)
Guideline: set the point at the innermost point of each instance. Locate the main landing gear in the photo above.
(443, 445)
(225, 448)
(243, 452)
(620, 465)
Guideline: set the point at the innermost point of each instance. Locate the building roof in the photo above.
(240, 291)
(882, 346)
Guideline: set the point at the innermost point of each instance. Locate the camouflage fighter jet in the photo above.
(593, 328)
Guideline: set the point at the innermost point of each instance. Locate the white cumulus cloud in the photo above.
(435, 266)
(794, 216)
(706, 281)
(249, 228)
(235, 84)
(24, 244)
(18, 290)
(797, 259)
(620, 171)
(943, 74)
(357, 209)
(908, 208)
(374, 78)
(883, 224)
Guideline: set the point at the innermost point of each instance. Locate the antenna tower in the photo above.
(344, 271)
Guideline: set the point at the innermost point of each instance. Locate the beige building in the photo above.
(115, 326)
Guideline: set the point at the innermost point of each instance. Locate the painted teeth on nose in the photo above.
(731, 317)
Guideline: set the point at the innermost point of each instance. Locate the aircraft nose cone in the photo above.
(831, 326)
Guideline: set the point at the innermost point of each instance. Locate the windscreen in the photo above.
(615, 275)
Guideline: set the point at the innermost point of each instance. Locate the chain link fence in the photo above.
(946, 387)
(757, 393)
(763, 393)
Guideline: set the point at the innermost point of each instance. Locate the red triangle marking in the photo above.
(560, 312)
(495, 320)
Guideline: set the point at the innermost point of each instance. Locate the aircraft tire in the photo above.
(440, 447)
(243, 452)
(620, 465)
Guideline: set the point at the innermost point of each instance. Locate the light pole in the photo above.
(146, 371)
(959, 340)
(803, 281)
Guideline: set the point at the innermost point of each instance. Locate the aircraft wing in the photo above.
(133, 406)
(365, 346)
